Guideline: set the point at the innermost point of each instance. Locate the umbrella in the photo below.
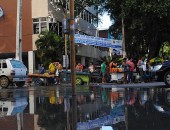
(156, 60)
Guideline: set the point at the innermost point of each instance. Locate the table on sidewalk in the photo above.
(118, 76)
(39, 79)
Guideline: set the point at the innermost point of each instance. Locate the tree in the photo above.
(79, 4)
(146, 24)
(51, 116)
(165, 51)
(49, 47)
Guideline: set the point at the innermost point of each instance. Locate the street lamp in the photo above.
(66, 33)
(66, 29)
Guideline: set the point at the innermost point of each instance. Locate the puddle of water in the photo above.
(50, 108)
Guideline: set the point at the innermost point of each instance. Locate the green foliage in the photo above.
(50, 47)
(147, 24)
(51, 116)
(80, 4)
(107, 59)
(165, 51)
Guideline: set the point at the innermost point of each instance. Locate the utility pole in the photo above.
(123, 33)
(65, 38)
(19, 31)
(65, 44)
(123, 39)
(73, 74)
(20, 121)
(126, 109)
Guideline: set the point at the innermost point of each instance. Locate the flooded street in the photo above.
(50, 108)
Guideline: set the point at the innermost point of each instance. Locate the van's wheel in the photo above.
(167, 78)
(20, 84)
(4, 82)
(79, 81)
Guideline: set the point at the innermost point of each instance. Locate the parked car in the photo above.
(161, 72)
(12, 71)
(81, 77)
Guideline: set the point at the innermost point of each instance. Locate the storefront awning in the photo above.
(98, 41)
(114, 45)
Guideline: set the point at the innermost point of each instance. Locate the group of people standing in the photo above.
(91, 69)
(141, 68)
(54, 68)
(128, 67)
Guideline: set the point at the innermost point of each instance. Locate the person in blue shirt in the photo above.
(41, 69)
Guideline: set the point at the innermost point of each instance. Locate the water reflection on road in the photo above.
(49, 107)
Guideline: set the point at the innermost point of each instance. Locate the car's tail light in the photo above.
(12, 72)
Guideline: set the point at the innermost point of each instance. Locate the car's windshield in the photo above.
(17, 64)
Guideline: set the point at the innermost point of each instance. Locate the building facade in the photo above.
(8, 29)
(39, 15)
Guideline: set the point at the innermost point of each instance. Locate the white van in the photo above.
(12, 71)
(13, 102)
(9, 108)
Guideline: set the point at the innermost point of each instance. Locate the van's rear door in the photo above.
(19, 68)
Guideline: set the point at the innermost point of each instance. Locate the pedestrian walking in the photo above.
(51, 71)
(147, 73)
(52, 68)
(125, 67)
(112, 65)
(140, 66)
(41, 69)
(131, 69)
(103, 71)
(91, 69)
(79, 67)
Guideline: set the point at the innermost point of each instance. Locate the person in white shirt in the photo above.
(91, 67)
(141, 67)
(91, 70)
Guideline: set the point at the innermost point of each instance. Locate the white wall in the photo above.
(31, 60)
(39, 8)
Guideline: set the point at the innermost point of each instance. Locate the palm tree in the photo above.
(49, 47)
